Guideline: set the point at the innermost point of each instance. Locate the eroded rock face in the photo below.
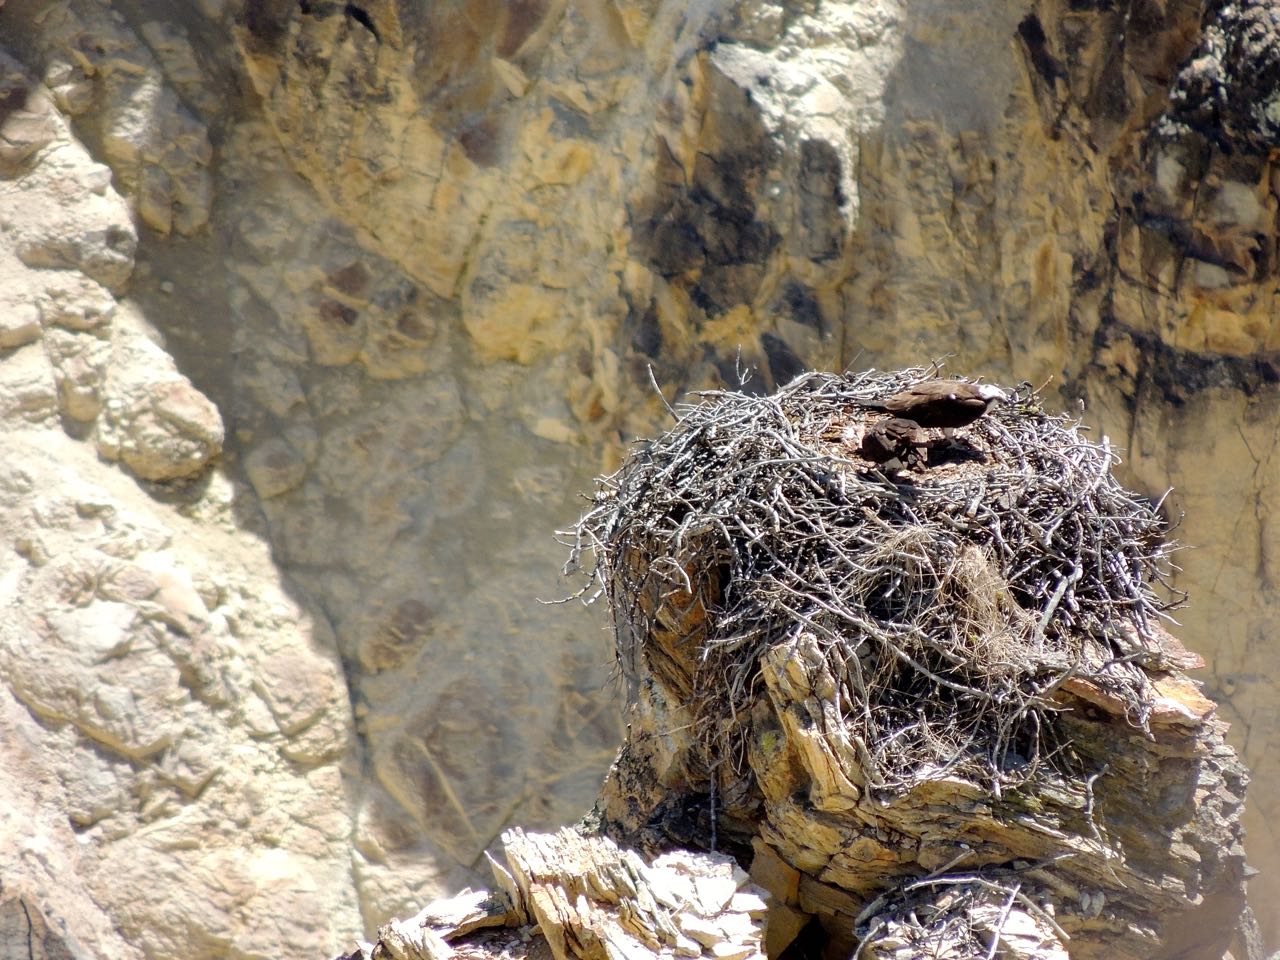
(417, 262)
(173, 720)
(68, 252)
(142, 655)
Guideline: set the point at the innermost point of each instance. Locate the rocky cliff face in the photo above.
(400, 271)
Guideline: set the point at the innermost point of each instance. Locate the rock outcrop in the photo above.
(173, 721)
(900, 693)
(930, 705)
(343, 303)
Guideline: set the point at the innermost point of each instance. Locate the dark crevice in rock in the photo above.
(784, 365)
(361, 16)
(267, 21)
(644, 330)
(802, 306)
(1177, 375)
(13, 97)
(1031, 32)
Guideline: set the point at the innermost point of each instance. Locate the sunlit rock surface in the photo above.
(329, 310)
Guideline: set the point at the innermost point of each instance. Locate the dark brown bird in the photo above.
(941, 403)
(894, 439)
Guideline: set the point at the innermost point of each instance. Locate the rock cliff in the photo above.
(316, 316)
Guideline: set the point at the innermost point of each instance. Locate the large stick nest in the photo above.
(950, 600)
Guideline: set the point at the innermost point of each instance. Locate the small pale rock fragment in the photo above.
(704, 931)
(178, 603)
(79, 363)
(257, 716)
(738, 927)
(404, 942)
(469, 910)
(153, 419)
(19, 324)
(687, 948)
(669, 888)
(714, 893)
(72, 89)
(752, 904)
(96, 785)
(325, 741)
(1179, 700)
(297, 688)
(189, 765)
(73, 301)
(90, 233)
(27, 390)
(171, 433)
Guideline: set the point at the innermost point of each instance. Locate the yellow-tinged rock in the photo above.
(732, 328)
(520, 322)
(774, 874)
(565, 163)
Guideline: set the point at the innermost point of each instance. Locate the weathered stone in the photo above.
(158, 151)
(154, 421)
(70, 85)
(19, 324)
(79, 364)
(29, 123)
(62, 212)
(23, 922)
(576, 198)
(128, 652)
(27, 390)
(72, 300)
(274, 467)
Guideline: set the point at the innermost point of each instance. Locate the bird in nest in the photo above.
(895, 439)
(947, 404)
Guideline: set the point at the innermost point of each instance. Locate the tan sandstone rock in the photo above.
(420, 260)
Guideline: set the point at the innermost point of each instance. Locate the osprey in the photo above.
(894, 439)
(941, 403)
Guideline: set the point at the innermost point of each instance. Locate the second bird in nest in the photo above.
(895, 439)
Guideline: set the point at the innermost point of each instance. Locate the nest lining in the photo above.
(949, 601)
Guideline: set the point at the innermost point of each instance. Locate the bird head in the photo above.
(990, 393)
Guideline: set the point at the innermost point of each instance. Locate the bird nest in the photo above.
(950, 601)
